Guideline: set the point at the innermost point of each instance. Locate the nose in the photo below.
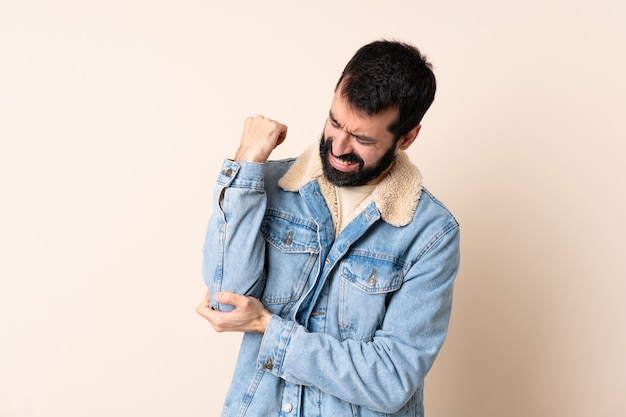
(342, 143)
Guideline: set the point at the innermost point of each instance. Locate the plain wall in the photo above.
(115, 117)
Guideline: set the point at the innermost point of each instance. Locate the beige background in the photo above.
(115, 116)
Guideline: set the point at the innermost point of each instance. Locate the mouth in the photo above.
(342, 165)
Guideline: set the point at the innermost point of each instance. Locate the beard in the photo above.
(362, 175)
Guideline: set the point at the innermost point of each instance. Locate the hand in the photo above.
(259, 138)
(249, 314)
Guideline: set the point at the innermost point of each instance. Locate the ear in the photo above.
(408, 139)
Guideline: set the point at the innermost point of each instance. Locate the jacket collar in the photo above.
(396, 196)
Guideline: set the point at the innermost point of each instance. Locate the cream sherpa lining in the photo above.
(396, 196)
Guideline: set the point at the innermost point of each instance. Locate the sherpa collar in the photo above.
(396, 196)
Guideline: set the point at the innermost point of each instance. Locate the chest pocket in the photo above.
(366, 284)
(291, 252)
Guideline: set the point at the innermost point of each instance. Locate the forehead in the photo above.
(354, 121)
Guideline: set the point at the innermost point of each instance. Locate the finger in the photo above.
(204, 305)
(220, 321)
(282, 135)
(202, 309)
(206, 300)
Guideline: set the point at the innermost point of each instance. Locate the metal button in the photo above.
(269, 365)
(228, 172)
(372, 279)
(287, 407)
(289, 239)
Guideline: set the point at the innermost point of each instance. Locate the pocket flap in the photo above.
(289, 234)
(371, 275)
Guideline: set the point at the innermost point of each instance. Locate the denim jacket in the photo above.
(358, 319)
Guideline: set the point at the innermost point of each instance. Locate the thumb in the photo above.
(227, 297)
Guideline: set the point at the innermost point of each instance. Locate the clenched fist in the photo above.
(259, 138)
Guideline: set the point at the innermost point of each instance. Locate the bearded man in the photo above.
(338, 265)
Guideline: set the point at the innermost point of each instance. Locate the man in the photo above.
(337, 265)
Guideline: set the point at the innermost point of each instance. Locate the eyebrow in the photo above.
(331, 116)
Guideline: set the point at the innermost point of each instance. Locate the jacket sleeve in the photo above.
(384, 373)
(234, 250)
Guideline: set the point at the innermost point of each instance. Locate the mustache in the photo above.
(349, 157)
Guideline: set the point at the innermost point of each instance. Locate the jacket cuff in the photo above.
(241, 174)
(274, 345)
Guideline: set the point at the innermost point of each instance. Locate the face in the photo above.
(357, 149)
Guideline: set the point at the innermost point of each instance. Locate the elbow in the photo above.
(395, 403)
(396, 399)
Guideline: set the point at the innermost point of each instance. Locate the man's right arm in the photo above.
(234, 250)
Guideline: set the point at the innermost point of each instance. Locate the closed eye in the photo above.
(363, 140)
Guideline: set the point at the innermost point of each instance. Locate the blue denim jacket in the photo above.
(358, 319)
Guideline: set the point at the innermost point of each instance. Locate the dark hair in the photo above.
(386, 74)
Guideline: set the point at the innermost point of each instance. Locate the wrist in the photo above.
(250, 155)
(264, 321)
